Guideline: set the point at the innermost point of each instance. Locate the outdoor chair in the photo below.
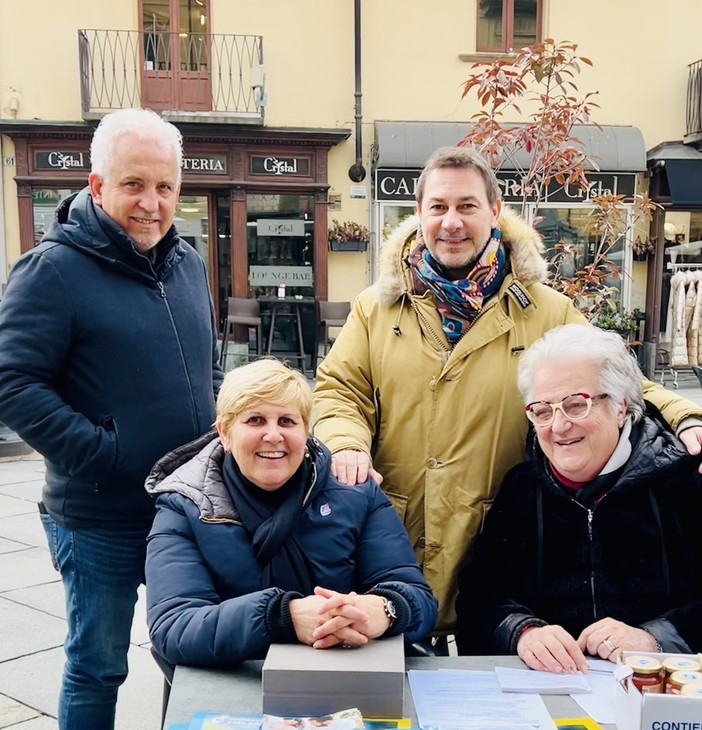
(242, 312)
(331, 314)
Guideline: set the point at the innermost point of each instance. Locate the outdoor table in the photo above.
(239, 690)
(294, 304)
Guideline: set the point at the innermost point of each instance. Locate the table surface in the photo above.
(239, 690)
(287, 300)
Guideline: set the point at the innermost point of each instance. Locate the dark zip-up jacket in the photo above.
(207, 602)
(545, 558)
(107, 361)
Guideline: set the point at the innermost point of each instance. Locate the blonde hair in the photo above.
(263, 381)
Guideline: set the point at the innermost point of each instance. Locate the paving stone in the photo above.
(24, 528)
(21, 471)
(13, 712)
(29, 491)
(24, 568)
(35, 680)
(26, 630)
(11, 506)
(140, 631)
(43, 722)
(10, 546)
(48, 598)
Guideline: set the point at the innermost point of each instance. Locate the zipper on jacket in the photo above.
(592, 567)
(590, 515)
(162, 291)
(446, 351)
(432, 331)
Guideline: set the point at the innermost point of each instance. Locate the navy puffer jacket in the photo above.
(206, 604)
(107, 361)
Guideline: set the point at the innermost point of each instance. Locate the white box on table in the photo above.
(651, 711)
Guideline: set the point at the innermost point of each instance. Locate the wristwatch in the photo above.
(390, 610)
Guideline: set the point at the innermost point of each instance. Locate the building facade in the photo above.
(295, 114)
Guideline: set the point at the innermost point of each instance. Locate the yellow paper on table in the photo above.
(577, 723)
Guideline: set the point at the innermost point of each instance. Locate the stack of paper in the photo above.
(543, 683)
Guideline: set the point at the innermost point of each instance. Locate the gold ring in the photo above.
(608, 645)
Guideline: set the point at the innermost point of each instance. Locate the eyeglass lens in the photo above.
(573, 406)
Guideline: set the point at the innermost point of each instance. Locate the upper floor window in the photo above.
(506, 25)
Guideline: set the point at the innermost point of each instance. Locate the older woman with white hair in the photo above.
(592, 546)
(255, 542)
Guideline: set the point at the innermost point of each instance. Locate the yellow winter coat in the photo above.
(442, 425)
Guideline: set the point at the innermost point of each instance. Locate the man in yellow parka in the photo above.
(419, 390)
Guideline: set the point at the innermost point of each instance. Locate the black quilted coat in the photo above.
(635, 556)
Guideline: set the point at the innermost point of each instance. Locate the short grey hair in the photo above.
(620, 376)
(460, 157)
(141, 124)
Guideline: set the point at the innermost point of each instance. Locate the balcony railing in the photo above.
(184, 72)
(694, 100)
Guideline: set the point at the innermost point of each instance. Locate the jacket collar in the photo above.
(195, 471)
(523, 244)
(655, 450)
(83, 225)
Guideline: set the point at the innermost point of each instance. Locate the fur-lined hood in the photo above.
(523, 244)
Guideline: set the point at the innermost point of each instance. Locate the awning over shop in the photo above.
(409, 144)
(677, 174)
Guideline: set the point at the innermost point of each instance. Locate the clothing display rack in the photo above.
(675, 267)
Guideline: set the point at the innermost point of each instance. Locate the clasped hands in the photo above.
(328, 618)
(552, 649)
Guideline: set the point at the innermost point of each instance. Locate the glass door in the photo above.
(224, 257)
(280, 246)
(176, 66)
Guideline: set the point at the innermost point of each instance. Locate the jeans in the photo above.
(101, 568)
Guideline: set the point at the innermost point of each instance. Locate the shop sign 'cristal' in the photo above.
(61, 160)
(282, 166)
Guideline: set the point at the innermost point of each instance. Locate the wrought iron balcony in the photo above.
(693, 132)
(175, 72)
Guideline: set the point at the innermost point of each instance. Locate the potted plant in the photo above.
(348, 236)
(621, 321)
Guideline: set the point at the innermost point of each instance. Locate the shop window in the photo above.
(280, 240)
(44, 204)
(192, 223)
(568, 225)
(392, 216)
(506, 25)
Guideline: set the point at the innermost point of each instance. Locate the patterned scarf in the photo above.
(459, 302)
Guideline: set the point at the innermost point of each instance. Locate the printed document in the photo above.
(470, 700)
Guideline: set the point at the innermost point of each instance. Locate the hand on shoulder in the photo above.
(353, 467)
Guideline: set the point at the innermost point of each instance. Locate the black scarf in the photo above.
(271, 519)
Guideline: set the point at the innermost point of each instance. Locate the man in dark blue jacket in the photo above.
(108, 359)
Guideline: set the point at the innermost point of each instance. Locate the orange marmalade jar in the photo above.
(678, 680)
(692, 690)
(680, 664)
(648, 673)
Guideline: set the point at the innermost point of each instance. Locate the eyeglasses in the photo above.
(574, 407)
